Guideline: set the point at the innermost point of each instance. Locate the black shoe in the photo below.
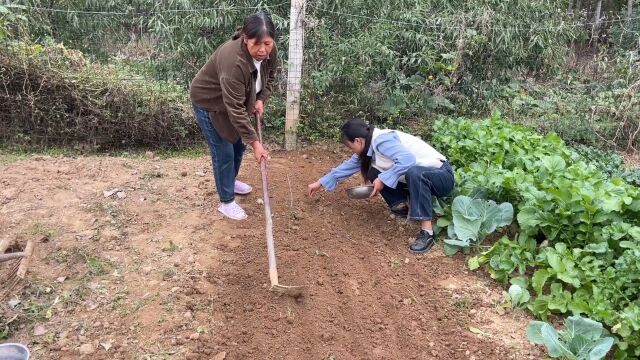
(401, 209)
(424, 242)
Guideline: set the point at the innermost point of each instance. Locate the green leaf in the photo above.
(473, 263)
(496, 216)
(534, 332)
(518, 295)
(554, 163)
(523, 282)
(538, 280)
(450, 250)
(577, 325)
(555, 347)
(458, 243)
(478, 331)
(529, 217)
(601, 348)
(466, 217)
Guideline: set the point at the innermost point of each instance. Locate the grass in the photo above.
(40, 229)
(462, 304)
(168, 273)
(98, 266)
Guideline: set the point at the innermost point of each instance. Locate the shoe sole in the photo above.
(423, 251)
(243, 193)
(229, 217)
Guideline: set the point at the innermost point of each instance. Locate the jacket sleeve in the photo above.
(232, 83)
(267, 89)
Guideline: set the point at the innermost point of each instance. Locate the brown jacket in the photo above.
(225, 86)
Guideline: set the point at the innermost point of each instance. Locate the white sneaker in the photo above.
(232, 211)
(241, 188)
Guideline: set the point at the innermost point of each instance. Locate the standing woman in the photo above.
(233, 85)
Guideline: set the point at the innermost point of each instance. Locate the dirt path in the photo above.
(158, 274)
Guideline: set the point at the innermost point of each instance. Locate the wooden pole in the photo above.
(296, 56)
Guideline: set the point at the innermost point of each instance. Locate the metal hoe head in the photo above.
(293, 291)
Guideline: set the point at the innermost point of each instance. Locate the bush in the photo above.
(53, 96)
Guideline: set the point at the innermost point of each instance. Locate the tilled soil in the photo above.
(152, 271)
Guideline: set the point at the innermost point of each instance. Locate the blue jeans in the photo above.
(421, 184)
(225, 156)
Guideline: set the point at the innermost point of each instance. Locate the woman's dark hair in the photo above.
(357, 128)
(256, 26)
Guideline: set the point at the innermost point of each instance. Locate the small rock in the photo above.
(188, 315)
(121, 194)
(97, 324)
(191, 259)
(175, 289)
(147, 270)
(501, 310)
(473, 311)
(40, 330)
(377, 321)
(110, 192)
(106, 345)
(86, 349)
(305, 156)
(200, 173)
(260, 201)
(13, 303)
(320, 282)
(220, 356)
(149, 155)
(194, 336)
(85, 235)
(183, 174)
(290, 320)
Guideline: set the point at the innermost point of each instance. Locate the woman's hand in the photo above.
(313, 188)
(258, 151)
(259, 107)
(378, 185)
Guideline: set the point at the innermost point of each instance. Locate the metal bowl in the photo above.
(360, 191)
(14, 352)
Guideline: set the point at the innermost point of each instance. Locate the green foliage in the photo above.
(598, 107)
(518, 295)
(54, 96)
(610, 163)
(473, 220)
(12, 24)
(590, 223)
(582, 339)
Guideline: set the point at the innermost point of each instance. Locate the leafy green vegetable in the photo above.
(582, 339)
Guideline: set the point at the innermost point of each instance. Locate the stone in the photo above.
(86, 349)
